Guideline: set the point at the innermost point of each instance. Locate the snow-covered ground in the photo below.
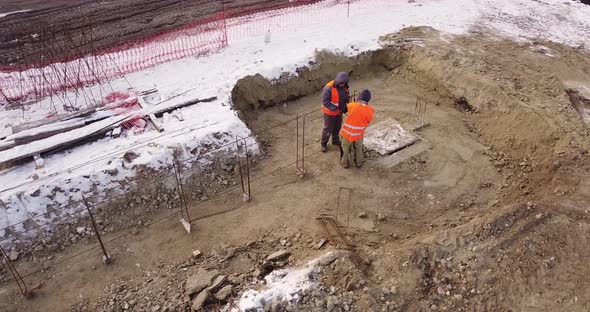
(295, 38)
(284, 285)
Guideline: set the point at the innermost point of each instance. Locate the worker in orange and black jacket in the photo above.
(360, 115)
(335, 96)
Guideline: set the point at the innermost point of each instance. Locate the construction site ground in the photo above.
(489, 212)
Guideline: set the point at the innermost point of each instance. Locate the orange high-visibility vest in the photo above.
(335, 100)
(359, 117)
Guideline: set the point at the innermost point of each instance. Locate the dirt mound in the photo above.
(256, 92)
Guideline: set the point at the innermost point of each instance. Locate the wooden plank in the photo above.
(61, 140)
(152, 118)
(45, 134)
(4, 145)
(116, 132)
(178, 114)
(160, 111)
(54, 119)
(31, 135)
(71, 137)
(39, 162)
(157, 124)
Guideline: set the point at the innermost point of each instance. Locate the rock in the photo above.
(224, 292)
(199, 281)
(393, 290)
(321, 244)
(199, 301)
(130, 156)
(351, 285)
(81, 230)
(529, 204)
(362, 215)
(386, 291)
(539, 216)
(332, 302)
(283, 242)
(229, 253)
(281, 254)
(112, 172)
(197, 253)
(156, 308)
(13, 255)
(380, 217)
(319, 303)
(216, 284)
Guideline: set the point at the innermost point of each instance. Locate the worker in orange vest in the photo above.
(360, 115)
(335, 96)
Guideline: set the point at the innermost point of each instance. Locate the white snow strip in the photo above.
(13, 12)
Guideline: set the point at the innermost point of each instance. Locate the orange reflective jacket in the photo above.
(359, 117)
(335, 100)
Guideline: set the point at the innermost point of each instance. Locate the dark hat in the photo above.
(365, 96)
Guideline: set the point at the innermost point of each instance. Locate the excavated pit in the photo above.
(505, 142)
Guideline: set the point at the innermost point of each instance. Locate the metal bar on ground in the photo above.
(240, 165)
(248, 172)
(297, 145)
(348, 209)
(303, 149)
(339, 203)
(184, 220)
(106, 259)
(348, 8)
(22, 286)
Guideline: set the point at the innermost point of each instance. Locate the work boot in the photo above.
(336, 143)
(324, 148)
(344, 165)
(359, 165)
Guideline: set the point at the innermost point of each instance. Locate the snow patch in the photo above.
(283, 285)
(13, 12)
(388, 137)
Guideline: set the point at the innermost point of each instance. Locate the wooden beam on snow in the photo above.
(39, 162)
(151, 117)
(54, 119)
(73, 136)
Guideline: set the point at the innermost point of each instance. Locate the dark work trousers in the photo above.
(332, 125)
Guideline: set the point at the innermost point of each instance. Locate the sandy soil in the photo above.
(488, 213)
